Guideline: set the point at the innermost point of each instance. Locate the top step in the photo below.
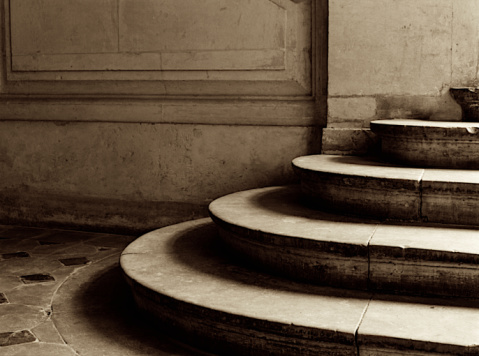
(368, 187)
(424, 143)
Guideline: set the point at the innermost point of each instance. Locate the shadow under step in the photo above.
(183, 277)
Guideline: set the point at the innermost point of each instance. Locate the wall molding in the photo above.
(151, 109)
(286, 69)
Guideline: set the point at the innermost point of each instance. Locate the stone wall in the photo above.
(396, 59)
(127, 115)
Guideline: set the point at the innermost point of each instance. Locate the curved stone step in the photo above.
(272, 227)
(184, 278)
(429, 143)
(368, 187)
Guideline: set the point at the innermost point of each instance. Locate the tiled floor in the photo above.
(62, 294)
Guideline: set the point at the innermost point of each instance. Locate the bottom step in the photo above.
(185, 278)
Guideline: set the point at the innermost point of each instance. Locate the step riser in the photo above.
(301, 264)
(385, 192)
(388, 275)
(439, 154)
(422, 143)
(351, 196)
(227, 334)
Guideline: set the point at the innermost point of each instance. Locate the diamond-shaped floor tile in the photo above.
(37, 278)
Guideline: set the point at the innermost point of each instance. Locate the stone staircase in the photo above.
(365, 257)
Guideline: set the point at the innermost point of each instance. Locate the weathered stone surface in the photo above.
(465, 52)
(272, 227)
(3, 298)
(37, 278)
(425, 259)
(63, 26)
(368, 187)
(427, 107)
(346, 141)
(47, 332)
(39, 349)
(404, 47)
(355, 112)
(197, 273)
(15, 317)
(425, 143)
(200, 292)
(89, 173)
(141, 25)
(360, 186)
(451, 196)
(17, 337)
(400, 325)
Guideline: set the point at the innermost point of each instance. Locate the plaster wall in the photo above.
(396, 59)
(127, 115)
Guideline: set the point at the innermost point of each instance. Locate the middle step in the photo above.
(272, 227)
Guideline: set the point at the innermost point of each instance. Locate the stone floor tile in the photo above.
(74, 261)
(15, 317)
(14, 245)
(95, 314)
(37, 294)
(79, 292)
(9, 282)
(66, 236)
(107, 240)
(37, 278)
(95, 295)
(77, 250)
(3, 298)
(24, 266)
(16, 337)
(8, 256)
(38, 349)
(47, 332)
(46, 249)
(19, 232)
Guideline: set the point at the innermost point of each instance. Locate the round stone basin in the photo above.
(468, 99)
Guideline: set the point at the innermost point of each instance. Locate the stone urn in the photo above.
(468, 99)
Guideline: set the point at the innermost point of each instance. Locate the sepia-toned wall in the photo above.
(133, 114)
(396, 59)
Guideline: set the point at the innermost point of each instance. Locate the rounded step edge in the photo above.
(423, 143)
(365, 186)
(360, 186)
(274, 229)
(181, 276)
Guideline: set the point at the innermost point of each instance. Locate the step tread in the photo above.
(370, 167)
(426, 123)
(186, 263)
(279, 211)
(273, 227)
(357, 166)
